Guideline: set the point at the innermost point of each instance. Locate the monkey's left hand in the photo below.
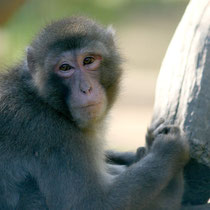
(155, 129)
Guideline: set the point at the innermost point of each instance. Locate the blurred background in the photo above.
(143, 29)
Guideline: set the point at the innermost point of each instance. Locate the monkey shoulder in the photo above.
(22, 113)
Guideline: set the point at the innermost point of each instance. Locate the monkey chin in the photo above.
(87, 116)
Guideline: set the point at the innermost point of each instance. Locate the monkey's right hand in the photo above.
(171, 142)
(153, 131)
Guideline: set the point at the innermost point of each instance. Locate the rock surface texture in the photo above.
(183, 94)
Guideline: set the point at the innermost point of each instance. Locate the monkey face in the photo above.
(75, 68)
(79, 72)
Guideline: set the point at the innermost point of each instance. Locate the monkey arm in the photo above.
(114, 169)
(117, 162)
(136, 186)
(128, 158)
(142, 182)
(199, 207)
(167, 157)
(124, 158)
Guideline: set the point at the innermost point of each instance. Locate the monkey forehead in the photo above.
(91, 47)
(71, 33)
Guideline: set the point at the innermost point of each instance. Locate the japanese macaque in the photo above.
(52, 108)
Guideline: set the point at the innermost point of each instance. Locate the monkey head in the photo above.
(75, 68)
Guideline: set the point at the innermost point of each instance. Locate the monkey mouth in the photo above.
(90, 111)
(87, 105)
(91, 105)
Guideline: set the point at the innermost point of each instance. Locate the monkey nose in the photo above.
(86, 90)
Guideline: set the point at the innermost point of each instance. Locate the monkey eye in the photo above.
(88, 60)
(65, 67)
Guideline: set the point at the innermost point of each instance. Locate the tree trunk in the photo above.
(183, 94)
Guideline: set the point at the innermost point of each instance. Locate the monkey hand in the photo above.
(171, 142)
(140, 153)
(153, 131)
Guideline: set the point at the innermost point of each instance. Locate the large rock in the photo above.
(183, 94)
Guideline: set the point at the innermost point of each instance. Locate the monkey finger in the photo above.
(140, 153)
(175, 130)
(166, 129)
(155, 125)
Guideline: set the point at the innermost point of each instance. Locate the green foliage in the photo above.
(34, 14)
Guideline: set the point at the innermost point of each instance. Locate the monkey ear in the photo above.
(30, 58)
(111, 31)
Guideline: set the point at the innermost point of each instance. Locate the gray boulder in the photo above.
(183, 94)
